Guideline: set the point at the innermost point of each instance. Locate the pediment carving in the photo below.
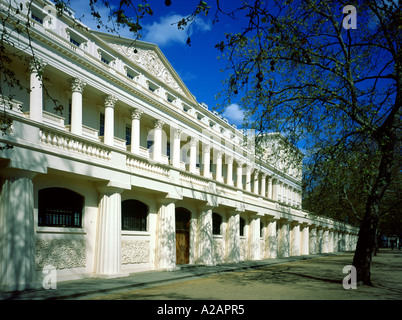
(149, 60)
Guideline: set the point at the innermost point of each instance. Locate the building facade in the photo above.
(134, 174)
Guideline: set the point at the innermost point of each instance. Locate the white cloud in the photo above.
(165, 32)
(234, 114)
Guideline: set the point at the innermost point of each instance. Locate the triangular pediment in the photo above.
(148, 57)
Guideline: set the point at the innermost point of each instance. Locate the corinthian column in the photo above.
(229, 179)
(248, 177)
(77, 88)
(135, 130)
(193, 155)
(239, 175)
(256, 181)
(157, 146)
(36, 68)
(206, 158)
(219, 155)
(176, 148)
(263, 184)
(110, 102)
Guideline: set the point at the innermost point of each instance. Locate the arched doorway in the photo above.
(183, 217)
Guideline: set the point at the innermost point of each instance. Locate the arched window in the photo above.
(242, 225)
(133, 215)
(216, 223)
(59, 207)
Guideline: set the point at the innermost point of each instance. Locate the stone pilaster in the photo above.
(295, 239)
(254, 239)
(283, 239)
(17, 245)
(233, 237)
(108, 244)
(272, 239)
(205, 240)
(166, 235)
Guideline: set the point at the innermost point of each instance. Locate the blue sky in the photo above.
(198, 64)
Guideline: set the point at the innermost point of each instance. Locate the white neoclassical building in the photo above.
(134, 174)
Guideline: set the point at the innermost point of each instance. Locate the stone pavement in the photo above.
(90, 287)
(78, 289)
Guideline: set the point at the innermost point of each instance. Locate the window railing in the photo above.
(59, 218)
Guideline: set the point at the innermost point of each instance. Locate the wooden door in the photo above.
(182, 236)
(182, 247)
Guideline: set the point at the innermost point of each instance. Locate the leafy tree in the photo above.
(333, 90)
(300, 69)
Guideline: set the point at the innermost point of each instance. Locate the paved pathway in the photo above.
(311, 277)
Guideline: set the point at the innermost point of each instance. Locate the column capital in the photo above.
(110, 187)
(239, 163)
(229, 159)
(136, 114)
(37, 65)
(110, 101)
(219, 154)
(77, 85)
(206, 147)
(206, 207)
(159, 124)
(193, 141)
(236, 211)
(177, 133)
(167, 200)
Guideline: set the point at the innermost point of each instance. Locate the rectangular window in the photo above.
(261, 229)
(242, 225)
(128, 135)
(36, 18)
(75, 42)
(104, 60)
(168, 150)
(216, 223)
(101, 124)
(69, 112)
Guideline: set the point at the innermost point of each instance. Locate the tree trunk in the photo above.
(364, 248)
(368, 227)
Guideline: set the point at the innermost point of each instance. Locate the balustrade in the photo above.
(72, 143)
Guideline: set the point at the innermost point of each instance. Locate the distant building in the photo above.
(135, 174)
